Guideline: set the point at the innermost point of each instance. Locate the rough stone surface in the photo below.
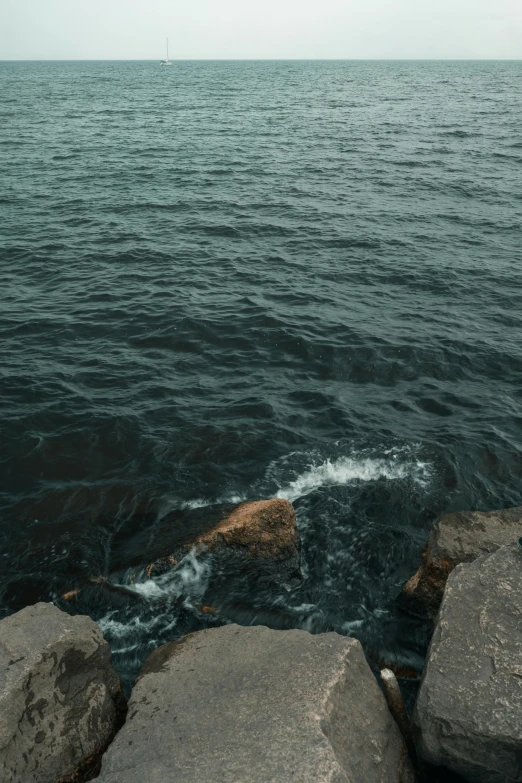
(458, 538)
(262, 530)
(253, 705)
(468, 714)
(60, 699)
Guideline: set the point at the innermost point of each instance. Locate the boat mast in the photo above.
(167, 48)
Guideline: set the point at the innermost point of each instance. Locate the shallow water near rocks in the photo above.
(226, 281)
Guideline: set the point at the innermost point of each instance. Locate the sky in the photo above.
(260, 29)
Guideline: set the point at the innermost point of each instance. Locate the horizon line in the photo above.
(260, 59)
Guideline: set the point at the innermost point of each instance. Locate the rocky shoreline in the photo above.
(252, 704)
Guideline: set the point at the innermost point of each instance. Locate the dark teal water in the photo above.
(233, 280)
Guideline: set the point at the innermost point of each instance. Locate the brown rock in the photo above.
(263, 530)
(71, 594)
(262, 534)
(457, 538)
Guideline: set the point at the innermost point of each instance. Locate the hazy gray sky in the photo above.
(136, 29)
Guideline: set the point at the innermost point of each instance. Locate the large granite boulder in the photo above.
(468, 713)
(254, 705)
(60, 699)
(457, 538)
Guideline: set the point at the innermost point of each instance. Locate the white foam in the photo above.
(187, 582)
(197, 503)
(348, 470)
(350, 626)
(173, 502)
(301, 609)
(127, 635)
(202, 503)
(189, 579)
(149, 589)
(192, 576)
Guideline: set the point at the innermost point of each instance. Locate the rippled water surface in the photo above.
(236, 280)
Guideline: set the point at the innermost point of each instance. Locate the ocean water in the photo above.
(224, 281)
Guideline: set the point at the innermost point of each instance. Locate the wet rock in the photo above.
(60, 699)
(468, 714)
(263, 531)
(256, 705)
(457, 538)
(257, 542)
(263, 528)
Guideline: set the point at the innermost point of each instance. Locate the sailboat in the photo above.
(167, 61)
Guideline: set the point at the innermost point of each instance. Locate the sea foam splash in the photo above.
(203, 503)
(348, 470)
(126, 630)
(189, 580)
(396, 464)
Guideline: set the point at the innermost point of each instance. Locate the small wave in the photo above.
(185, 586)
(507, 156)
(203, 503)
(170, 602)
(65, 157)
(349, 470)
(460, 134)
(197, 503)
(352, 242)
(189, 581)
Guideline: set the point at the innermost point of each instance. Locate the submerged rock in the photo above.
(257, 706)
(99, 589)
(256, 542)
(457, 538)
(468, 714)
(60, 699)
(263, 531)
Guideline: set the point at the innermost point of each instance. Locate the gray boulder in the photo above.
(457, 538)
(468, 714)
(252, 705)
(60, 699)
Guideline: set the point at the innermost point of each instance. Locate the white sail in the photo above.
(167, 61)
